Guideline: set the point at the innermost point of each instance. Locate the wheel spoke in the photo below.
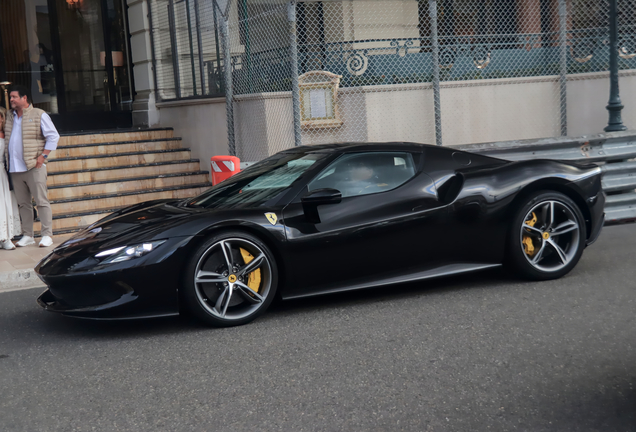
(544, 215)
(209, 277)
(533, 229)
(564, 228)
(559, 251)
(248, 293)
(539, 255)
(227, 253)
(226, 301)
(219, 301)
(253, 265)
(551, 214)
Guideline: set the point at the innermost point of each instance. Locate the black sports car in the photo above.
(323, 219)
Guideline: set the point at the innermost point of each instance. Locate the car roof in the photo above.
(359, 146)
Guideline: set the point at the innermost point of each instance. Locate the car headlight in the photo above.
(126, 253)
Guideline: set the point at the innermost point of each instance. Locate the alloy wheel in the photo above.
(232, 279)
(550, 235)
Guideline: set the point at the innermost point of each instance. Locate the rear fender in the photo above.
(569, 189)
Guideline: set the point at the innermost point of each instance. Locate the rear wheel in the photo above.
(547, 236)
(230, 280)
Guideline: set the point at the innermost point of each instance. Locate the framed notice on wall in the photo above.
(319, 100)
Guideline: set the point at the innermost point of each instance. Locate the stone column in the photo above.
(145, 112)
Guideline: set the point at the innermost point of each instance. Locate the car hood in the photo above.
(154, 220)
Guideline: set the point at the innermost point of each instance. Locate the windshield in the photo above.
(259, 185)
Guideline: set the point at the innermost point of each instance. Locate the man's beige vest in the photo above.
(33, 140)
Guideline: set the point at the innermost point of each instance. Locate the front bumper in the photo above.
(120, 295)
(146, 287)
(104, 312)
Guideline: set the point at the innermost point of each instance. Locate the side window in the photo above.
(366, 173)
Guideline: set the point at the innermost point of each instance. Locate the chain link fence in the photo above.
(259, 42)
(383, 67)
(447, 71)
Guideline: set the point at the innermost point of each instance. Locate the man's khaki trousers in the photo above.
(25, 185)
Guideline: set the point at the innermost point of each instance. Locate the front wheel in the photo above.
(230, 280)
(547, 236)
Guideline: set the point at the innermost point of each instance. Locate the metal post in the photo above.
(200, 45)
(615, 106)
(563, 81)
(108, 53)
(194, 73)
(248, 47)
(174, 48)
(432, 9)
(227, 75)
(291, 16)
(218, 52)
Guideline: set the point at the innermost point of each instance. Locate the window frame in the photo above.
(416, 163)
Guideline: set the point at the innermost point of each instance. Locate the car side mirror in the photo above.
(318, 197)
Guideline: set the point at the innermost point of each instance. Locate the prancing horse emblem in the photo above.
(272, 218)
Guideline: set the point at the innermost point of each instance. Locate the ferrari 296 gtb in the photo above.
(323, 219)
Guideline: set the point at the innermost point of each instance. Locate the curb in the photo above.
(19, 279)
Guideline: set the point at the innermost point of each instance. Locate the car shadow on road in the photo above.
(27, 321)
(74, 327)
(36, 321)
(488, 279)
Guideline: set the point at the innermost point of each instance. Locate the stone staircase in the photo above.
(92, 175)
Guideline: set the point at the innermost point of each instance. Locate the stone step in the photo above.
(81, 190)
(85, 150)
(66, 206)
(114, 160)
(90, 175)
(122, 173)
(65, 222)
(69, 222)
(113, 136)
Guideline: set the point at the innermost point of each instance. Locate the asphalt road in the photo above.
(472, 353)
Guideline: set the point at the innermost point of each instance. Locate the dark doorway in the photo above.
(73, 56)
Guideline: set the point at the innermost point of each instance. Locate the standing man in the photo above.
(30, 136)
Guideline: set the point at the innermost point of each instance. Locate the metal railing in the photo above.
(615, 153)
(185, 41)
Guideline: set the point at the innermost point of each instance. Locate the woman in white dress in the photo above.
(9, 216)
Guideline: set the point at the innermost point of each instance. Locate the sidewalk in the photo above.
(16, 266)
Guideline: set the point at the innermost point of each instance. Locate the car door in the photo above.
(383, 225)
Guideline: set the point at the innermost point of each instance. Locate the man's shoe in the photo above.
(25, 241)
(46, 241)
(8, 245)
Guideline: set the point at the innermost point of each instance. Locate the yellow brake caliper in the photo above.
(254, 278)
(528, 246)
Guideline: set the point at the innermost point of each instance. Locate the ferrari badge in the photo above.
(272, 218)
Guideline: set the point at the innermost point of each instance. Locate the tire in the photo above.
(223, 287)
(547, 236)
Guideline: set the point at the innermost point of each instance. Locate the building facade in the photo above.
(509, 69)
